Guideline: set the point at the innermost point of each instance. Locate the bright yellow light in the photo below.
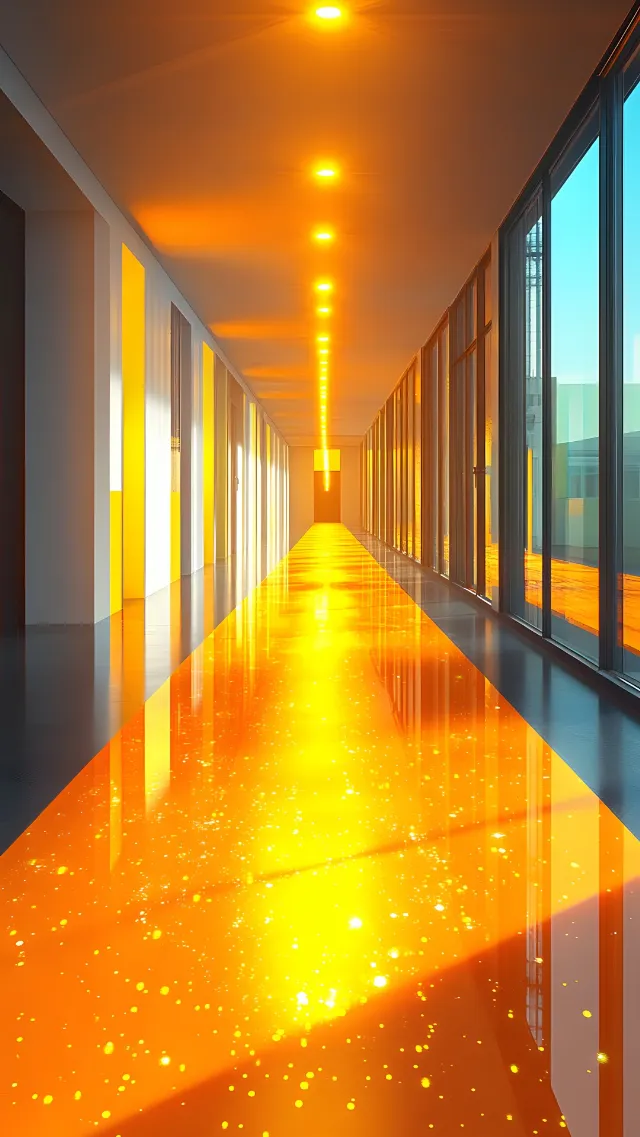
(326, 172)
(323, 235)
(323, 311)
(328, 13)
(323, 339)
(323, 286)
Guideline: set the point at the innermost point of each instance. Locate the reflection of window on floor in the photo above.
(535, 890)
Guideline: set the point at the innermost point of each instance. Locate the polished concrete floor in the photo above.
(64, 691)
(344, 871)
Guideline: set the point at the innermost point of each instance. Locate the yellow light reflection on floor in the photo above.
(334, 858)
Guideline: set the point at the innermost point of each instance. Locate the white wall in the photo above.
(300, 492)
(67, 439)
(93, 596)
(301, 489)
(350, 486)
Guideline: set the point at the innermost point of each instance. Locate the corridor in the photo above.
(325, 880)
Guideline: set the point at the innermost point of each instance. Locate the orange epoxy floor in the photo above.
(326, 881)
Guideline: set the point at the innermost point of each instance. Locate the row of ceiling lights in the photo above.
(324, 289)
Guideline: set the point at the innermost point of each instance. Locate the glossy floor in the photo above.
(64, 691)
(327, 880)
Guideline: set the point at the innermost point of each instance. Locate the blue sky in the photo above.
(574, 262)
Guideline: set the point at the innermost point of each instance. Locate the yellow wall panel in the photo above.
(208, 450)
(133, 433)
(115, 567)
(175, 535)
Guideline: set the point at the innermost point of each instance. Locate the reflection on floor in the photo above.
(575, 594)
(64, 691)
(326, 880)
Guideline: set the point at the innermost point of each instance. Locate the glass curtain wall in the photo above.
(552, 369)
(443, 535)
(574, 395)
(629, 600)
(463, 448)
(391, 468)
(417, 459)
(491, 450)
(571, 364)
(562, 551)
(523, 299)
(430, 465)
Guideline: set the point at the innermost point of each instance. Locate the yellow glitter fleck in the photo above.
(139, 986)
(77, 1095)
(156, 934)
(425, 1083)
(380, 981)
(587, 1014)
(603, 1057)
(350, 1105)
(106, 1113)
(514, 1069)
(355, 922)
(62, 870)
(108, 1048)
(196, 898)
(165, 1060)
(298, 1104)
(48, 1099)
(164, 990)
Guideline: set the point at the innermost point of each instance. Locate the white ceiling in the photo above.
(204, 120)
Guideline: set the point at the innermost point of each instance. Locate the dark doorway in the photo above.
(12, 417)
(326, 499)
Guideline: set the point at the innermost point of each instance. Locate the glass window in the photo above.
(491, 470)
(410, 396)
(470, 323)
(575, 406)
(431, 463)
(631, 378)
(488, 294)
(417, 459)
(404, 459)
(523, 408)
(532, 601)
(443, 425)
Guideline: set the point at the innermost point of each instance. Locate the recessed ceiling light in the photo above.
(323, 235)
(323, 286)
(323, 311)
(323, 339)
(328, 13)
(326, 172)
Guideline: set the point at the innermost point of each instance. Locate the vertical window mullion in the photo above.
(547, 410)
(611, 336)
